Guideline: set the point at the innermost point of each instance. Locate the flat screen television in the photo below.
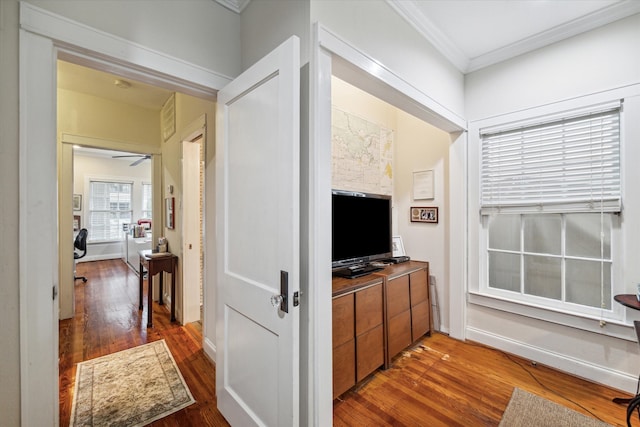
(361, 228)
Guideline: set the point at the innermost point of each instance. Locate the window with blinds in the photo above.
(569, 164)
(549, 192)
(147, 200)
(109, 208)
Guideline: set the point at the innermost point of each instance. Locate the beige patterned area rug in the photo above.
(130, 388)
(528, 410)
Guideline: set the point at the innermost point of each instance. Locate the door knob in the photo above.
(281, 300)
(276, 300)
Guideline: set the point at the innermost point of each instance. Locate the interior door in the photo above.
(257, 208)
(191, 230)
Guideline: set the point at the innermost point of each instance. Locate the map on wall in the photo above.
(362, 154)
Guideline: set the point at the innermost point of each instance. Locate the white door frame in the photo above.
(333, 56)
(45, 37)
(191, 290)
(38, 234)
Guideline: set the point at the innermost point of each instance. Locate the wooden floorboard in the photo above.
(440, 382)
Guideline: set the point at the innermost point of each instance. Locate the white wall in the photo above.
(86, 167)
(198, 31)
(377, 30)
(419, 147)
(603, 59)
(9, 218)
(265, 24)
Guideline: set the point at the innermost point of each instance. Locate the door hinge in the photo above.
(55, 292)
(296, 299)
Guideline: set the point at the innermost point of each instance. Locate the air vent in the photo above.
(169, 118)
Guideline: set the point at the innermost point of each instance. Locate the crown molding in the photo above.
(414, 16)
(235, 5)
(586, 23)
(408, 10)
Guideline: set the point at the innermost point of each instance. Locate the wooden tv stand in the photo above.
(375, 317)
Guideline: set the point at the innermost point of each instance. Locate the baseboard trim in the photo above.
(580, 368)
(88, 258)
(209, 349)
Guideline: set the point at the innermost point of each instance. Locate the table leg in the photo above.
(173, 292)
(149, 299)
(160, 302)
(141, 280)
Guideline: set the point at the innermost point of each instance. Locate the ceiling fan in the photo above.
(142, 158)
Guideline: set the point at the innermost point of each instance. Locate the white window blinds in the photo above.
(109, 208)
(147, 200)
(560, 165)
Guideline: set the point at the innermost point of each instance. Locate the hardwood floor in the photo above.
(107, 320)
(445, 382)
(442, 382)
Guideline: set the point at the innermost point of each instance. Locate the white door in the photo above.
(191, 230)
(257, 208)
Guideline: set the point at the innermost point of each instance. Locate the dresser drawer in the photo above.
(368, 308)
(343, 319)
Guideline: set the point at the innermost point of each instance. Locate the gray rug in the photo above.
(528, 410)
(130, 388)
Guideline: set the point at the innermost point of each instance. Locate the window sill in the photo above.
(103, 242)
(612, 327)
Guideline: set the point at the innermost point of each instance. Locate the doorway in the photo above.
(109, 122)
(38, 208)
(192, 228)
(116, 230)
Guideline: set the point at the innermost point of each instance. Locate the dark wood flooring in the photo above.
(441, 382)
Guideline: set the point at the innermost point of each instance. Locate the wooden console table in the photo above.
(375, 317)
(156, 263)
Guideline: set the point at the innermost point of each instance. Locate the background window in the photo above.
(147, 200)
(109, 208)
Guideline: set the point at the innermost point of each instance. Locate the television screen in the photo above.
(361, 228)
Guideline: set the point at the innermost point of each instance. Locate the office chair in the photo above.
(81, 244)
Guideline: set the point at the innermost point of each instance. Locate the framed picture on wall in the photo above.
(424, 214)
(76, 223)
(77, 202)
(423, 185)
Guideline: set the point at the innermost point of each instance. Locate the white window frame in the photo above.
(613, 314)
(478, 291)
(150, 216)
(88, 181)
